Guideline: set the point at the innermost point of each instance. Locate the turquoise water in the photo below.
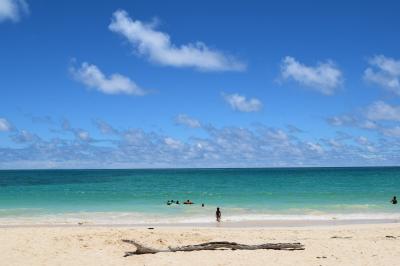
(138, 196)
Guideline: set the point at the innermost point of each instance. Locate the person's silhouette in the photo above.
(218, 215)
(394, 200)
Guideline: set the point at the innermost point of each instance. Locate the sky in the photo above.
(160, 84)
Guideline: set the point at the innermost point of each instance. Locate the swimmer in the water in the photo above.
(394, 200)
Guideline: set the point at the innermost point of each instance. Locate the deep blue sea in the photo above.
(140, 196)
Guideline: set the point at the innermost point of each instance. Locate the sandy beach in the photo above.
(368, 244)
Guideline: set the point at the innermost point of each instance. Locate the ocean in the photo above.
(140, 196)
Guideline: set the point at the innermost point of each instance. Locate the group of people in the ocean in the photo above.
(170, 202)
(187, 202)
(218, 212)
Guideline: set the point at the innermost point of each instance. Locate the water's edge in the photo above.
(243, 224)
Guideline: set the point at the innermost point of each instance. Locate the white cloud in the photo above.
(385, 72)
(80, 134)
(24, 136)
(188, 121)
(218, 147)
(324, 77)
(157, 46)
(362, 140)
(173, 143)
(91, 76)
(83, 135)
(353, 121)
(341, 120)
(382, 111)
(368, 124)
(335, 143)
(379, 116)
(4, 125)
(392, 131)
(315, 147)
(277, 134)
(13, 9)
(104, 127)
(240, 103)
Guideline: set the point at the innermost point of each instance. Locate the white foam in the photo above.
(123, 218)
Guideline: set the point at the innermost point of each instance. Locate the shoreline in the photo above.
(224, 224)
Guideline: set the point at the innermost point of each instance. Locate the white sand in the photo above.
(364, 245)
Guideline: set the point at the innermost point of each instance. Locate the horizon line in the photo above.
(198, 168)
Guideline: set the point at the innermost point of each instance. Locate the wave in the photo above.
(136, 218)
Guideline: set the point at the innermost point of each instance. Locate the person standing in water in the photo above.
(218, 215)
(394, 200)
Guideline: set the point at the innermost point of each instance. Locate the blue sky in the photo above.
(126, 84)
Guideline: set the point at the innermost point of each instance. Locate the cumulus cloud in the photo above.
(384, 72)
(362, 140)
(392, 131)
(277, 134)
(80, 134)
(325, 78)
(352, 121)
(341, 120)
(24, 136)
(93, 77)
(173, 143)
(382, 111)
(157, 46)
(315, 147)
(218, 147)
(379, 116)
(369, 116)
(13, 10)
(83, 135)
(334, 143)
(105, 127)
(185, 120)
(241, 103)
(5, 125)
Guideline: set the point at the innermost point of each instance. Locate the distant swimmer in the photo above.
(188, 202)
(177, 202)
(169, 202)
(218, 215)
(202, 205)
(394, 200)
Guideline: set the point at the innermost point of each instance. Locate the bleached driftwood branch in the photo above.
(140, 249)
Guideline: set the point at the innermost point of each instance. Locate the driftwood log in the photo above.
(140, 249)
